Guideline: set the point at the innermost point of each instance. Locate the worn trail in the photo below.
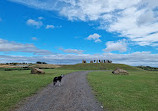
(73, 95)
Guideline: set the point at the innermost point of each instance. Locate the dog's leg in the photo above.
(60, 84)
(54, 83)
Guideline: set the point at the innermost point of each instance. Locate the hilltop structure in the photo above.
(83, 61)
(97, 61)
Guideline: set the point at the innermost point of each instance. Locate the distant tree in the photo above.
(38, 62)
(44, 63)
(14, 63)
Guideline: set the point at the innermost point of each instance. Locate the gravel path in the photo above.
(73, 95)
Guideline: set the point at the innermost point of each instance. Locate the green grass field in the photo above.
(16, 85)
(136, 92)
(98, 66)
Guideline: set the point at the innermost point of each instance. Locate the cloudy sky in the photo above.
(67, 31)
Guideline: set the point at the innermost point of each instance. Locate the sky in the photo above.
(68, 31)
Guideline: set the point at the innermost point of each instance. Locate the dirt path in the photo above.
(73, 95)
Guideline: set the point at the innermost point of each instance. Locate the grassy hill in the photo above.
(98, 66)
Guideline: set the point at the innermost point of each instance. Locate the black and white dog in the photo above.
(56, 79)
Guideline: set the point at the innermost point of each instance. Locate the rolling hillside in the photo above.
(98, 66)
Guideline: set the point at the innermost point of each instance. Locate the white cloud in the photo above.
(94, 37)
(72, 51)
(40, 18)
(135, 59)
(35, 23)
(9, 46)
(136, 19)
(120, 45)
(49, 26)
(34, 38)
(40, 4)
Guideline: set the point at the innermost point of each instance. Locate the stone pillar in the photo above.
(91, 61)
(83, 61)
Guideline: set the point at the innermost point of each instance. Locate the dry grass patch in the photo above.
(46, 66)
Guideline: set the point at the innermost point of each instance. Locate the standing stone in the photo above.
(37, 71)
(119, 71)
(83, 61)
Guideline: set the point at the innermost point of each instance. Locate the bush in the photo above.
(148, 68)
(11, 69)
